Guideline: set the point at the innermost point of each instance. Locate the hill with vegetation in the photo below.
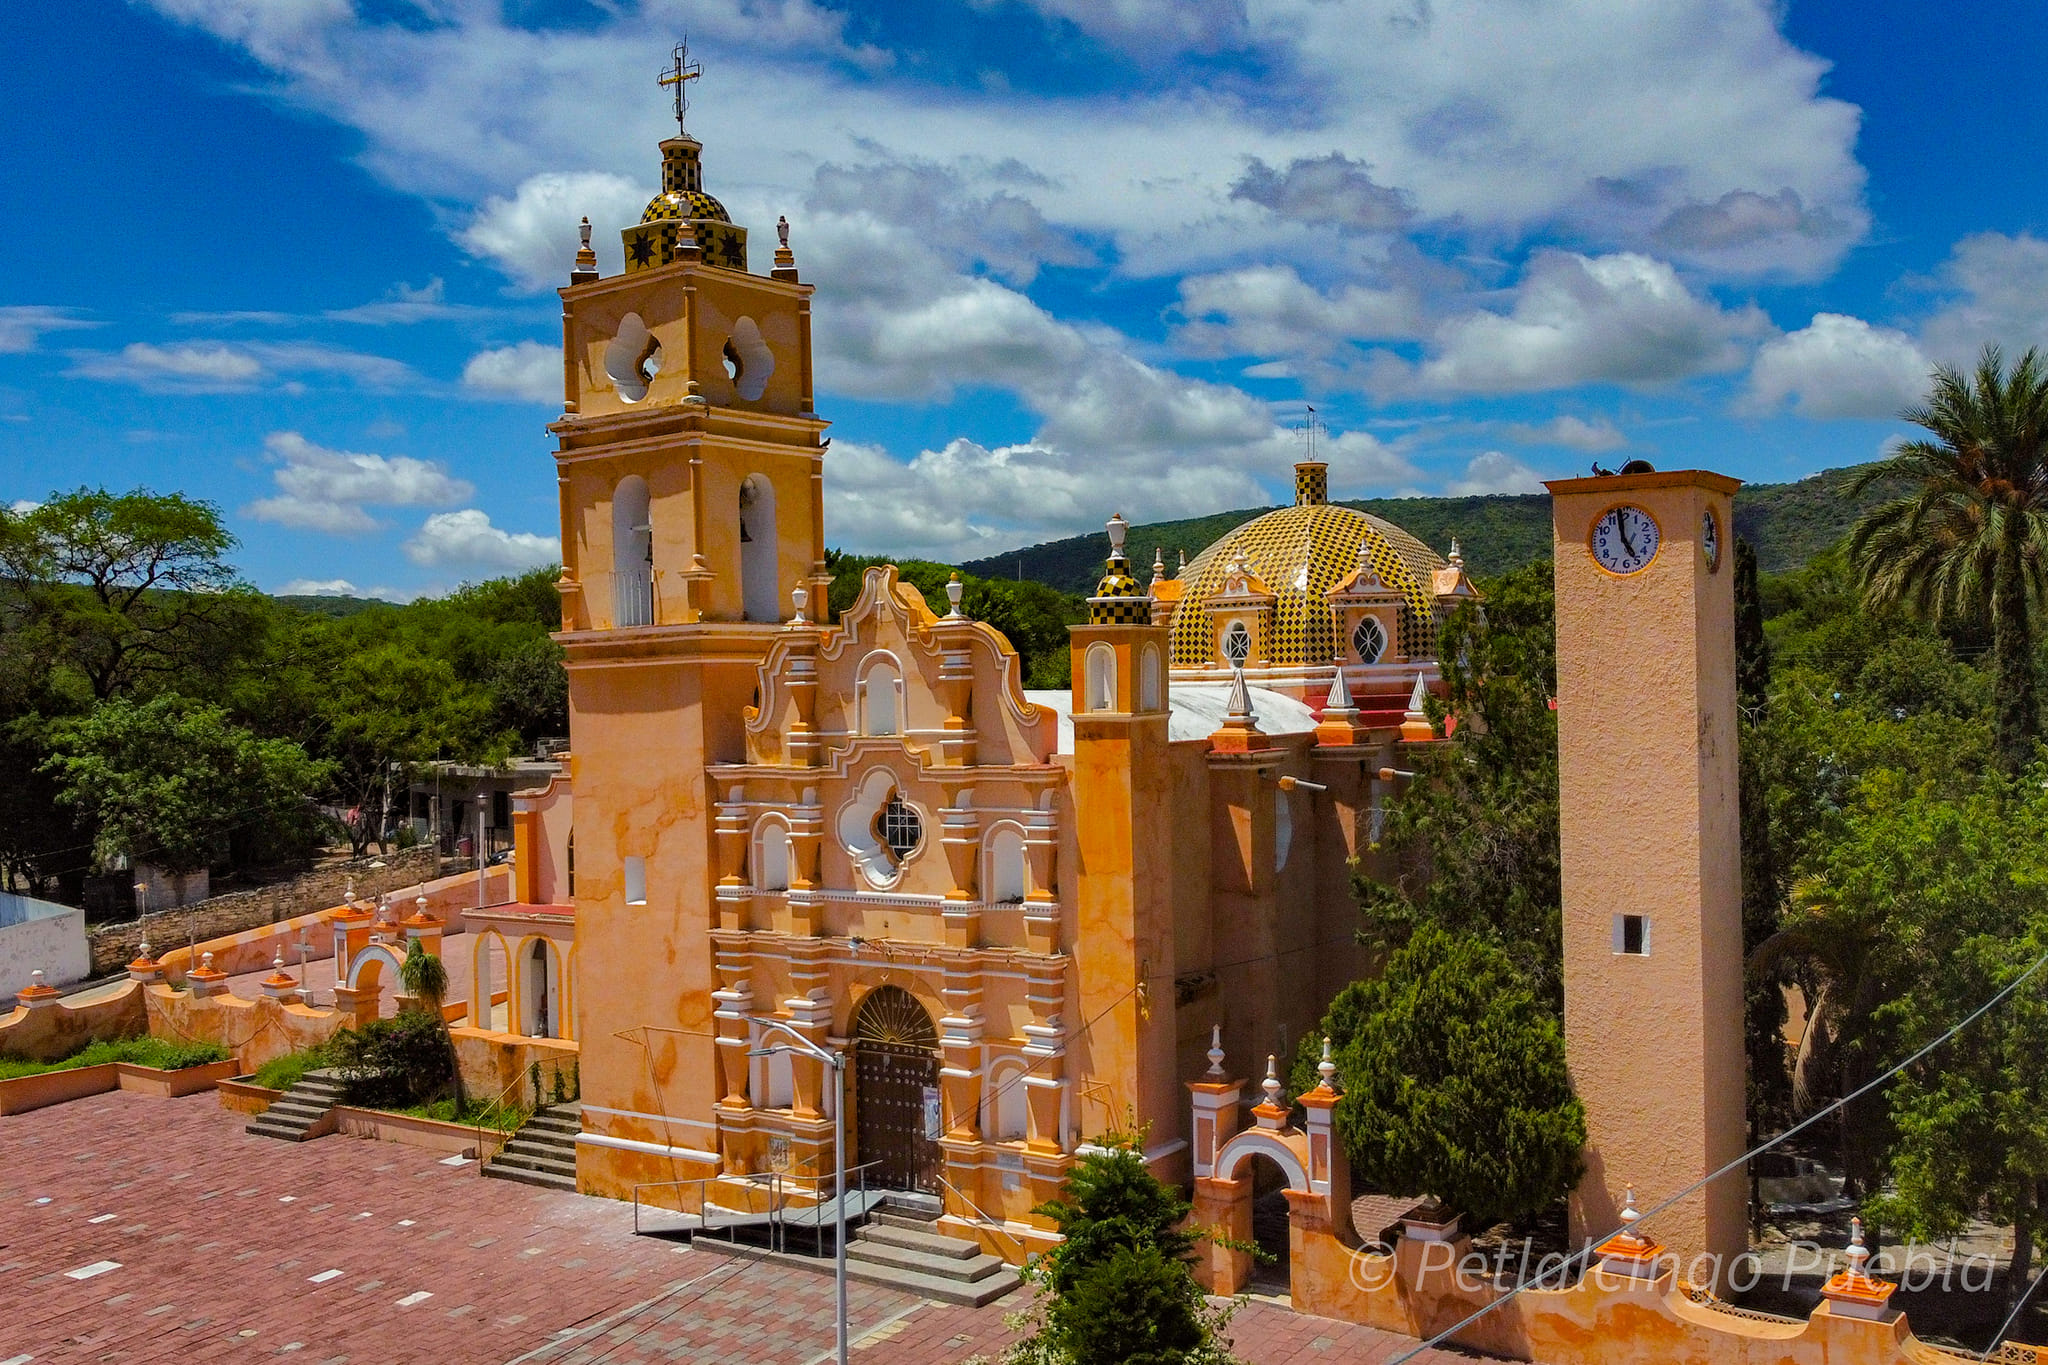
(1788, 523)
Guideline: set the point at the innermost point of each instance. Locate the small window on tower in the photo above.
(898, 827)
(1237, 644)
(1632, 935)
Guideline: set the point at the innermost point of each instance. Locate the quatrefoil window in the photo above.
(880, 830)
(1370, 640)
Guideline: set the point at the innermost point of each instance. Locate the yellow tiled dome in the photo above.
(1299, 552)
(684, 206)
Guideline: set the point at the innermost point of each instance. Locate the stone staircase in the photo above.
(901, 1248)
(301, 1109)
(543, 1151)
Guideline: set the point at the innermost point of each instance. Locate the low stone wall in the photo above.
(491, 1062)
(52, 1031)
(114, 945)
(24, 1093)
(455, 1139)
(240, 1095)
(254, 1031)
(37, 935)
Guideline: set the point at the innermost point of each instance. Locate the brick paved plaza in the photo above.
(138, 1229)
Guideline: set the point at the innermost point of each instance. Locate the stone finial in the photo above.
(1859, 1254)
(585, 269)
(348, 890)
(1457, 560)
(1236, 571)
(205, 962)
(1216, 1051)
(1340, 693)
(1183, 564)
(143, 951)
(955, 590)
(1852, 1293)
(36, 981)
(1629, 1214)
(1239, 712)
(785, 259)
(1118, 528)
(1271, 1085)
(1327, 1068)
(781, 229)
(1159, 564)
(801, 596)
(1415, 726)
(420, 906)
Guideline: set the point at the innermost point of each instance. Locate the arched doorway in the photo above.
(540, 998)
(1271, 1218)
(896, 1091)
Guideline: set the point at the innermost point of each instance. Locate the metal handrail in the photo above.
(778, 1183)
(498, 1104)
(1023, 1252)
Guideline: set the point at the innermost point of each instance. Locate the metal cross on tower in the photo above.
(679, 74)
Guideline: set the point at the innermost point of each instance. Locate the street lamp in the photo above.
(837, 1062)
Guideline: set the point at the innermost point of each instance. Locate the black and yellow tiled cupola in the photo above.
(1311, 483)
(682, 212)
(1119, 599)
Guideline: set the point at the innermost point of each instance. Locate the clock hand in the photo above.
(1621, 528)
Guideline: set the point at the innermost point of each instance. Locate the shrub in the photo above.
(160, 1053)
(1118, 1290)
(393, 1063)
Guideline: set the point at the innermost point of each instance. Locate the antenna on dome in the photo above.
(679, 74)
(1311, 475)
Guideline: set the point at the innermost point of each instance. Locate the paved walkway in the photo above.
(136, 1229)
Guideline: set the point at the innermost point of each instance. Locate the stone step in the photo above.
(547, 1180)
(526, 1161)
(526, 1139)
(910, 1222)
(944, 1267)
(947, 1248)
(563, 1129)
(297, 1108)
(286, 1132)
(934, 1287)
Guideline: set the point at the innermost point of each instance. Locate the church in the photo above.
(1017, 921)
(1026, 916)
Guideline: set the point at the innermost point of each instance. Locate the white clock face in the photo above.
(1625, 539)
(1710, 540)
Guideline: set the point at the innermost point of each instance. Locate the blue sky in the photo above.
(1072, 256)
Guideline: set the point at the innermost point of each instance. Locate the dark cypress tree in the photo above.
(1763, 891)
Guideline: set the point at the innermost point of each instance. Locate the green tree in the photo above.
(425, 977)
(1960, 908)
(1763, 891)
(1967, 540)
(1476, 832)
(126, 588)
(1117, 1290)
(1454, 1080)
(175, 783)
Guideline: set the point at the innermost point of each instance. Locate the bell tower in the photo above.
(1651, 851)
(690, 467)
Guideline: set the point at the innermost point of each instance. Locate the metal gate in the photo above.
(896, 1091)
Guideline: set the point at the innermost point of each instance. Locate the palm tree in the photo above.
(425, 976)
(1966, 540)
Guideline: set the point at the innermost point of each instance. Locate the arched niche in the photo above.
(1100, 665)
(632, 554)
(761, 599)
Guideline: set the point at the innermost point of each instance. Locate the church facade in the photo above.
(1023, 916)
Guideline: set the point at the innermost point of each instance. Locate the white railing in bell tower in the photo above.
(633, 598)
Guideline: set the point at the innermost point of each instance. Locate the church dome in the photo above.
(684, 206)
(1299, 553)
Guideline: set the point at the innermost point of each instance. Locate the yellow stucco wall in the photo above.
(1647, 785)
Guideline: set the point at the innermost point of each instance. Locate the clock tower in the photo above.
(1651, 851)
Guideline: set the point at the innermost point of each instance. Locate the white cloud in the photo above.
(526, 370)
(22, 325)
(1618, 319)
(319, 489)
(1837, 366)
(318, 587)
(1494, 120)
(1493, 472)
(230, 367)
(1996, 290)
(466, 540)
(1573, 433)
(21, 507)
(405, 305)
(532, 236)
(1269, 309)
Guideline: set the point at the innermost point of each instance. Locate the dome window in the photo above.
(1237, 644)
(1369, 639)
